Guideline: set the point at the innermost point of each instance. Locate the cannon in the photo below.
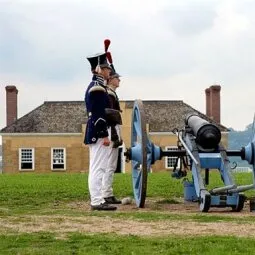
(199, 149)
(207, 135)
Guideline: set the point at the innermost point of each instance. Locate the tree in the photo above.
(239, 139)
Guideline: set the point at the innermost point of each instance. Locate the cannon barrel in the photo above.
(207, 135)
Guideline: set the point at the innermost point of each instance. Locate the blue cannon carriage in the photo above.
(200, 149)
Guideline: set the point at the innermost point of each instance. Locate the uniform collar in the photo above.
(99, 79)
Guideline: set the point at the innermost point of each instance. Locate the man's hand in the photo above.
(106, 141)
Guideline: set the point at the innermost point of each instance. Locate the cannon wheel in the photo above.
(205, 202)
(139, 169)
(240, 203)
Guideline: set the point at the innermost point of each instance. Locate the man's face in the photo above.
(115, 82)
(106, 73)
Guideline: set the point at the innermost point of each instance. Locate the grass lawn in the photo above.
(45, 243)
(29, 201)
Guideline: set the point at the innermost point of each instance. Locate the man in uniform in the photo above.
(96, 135)
(114, 130)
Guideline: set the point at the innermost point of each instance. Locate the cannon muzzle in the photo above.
(207, 135)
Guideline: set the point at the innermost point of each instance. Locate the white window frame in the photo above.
(33, 159)
(64, 159)
(168, 148)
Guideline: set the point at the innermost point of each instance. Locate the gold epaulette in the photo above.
(97, 88)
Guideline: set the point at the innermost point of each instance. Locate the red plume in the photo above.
(107, 43)
(109, 57)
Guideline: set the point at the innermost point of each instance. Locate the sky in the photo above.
(164, 50)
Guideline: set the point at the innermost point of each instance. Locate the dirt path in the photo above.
(93, 224)
(157, 205)
(62, 225)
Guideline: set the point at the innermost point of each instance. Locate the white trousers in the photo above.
(102, 164)
(107, 190)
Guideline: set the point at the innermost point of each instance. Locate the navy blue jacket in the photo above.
(96, 100)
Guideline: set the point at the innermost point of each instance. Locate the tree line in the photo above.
(239, 139)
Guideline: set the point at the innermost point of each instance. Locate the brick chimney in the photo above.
(213, 102)
(11, 104)
(208, 102)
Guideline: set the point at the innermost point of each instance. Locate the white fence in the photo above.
(242, 169)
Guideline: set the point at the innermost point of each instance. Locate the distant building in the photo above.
(50, 137)
(242, 169)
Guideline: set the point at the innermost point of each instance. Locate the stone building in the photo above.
(50, 137)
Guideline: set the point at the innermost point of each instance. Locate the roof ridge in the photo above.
(150, 100)
(122, 100)
(72, 101)
(19, 119)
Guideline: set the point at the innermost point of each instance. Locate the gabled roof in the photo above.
(68, 117)
(164, 116)
(51, 117)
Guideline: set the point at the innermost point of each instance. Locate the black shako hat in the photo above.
(98, 60)
(113, 73)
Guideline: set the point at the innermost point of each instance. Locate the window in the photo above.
(26, 159)
(171, 161)
(58, 159)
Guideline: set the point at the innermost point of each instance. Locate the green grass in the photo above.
(36, 191)
(23, 193)
(45, 243)
(51, 194)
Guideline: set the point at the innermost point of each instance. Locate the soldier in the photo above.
(96, 135)
(116, 141)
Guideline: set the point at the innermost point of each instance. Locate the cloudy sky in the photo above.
(164, 49)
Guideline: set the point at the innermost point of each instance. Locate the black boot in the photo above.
(112, 200)
(103, 207)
